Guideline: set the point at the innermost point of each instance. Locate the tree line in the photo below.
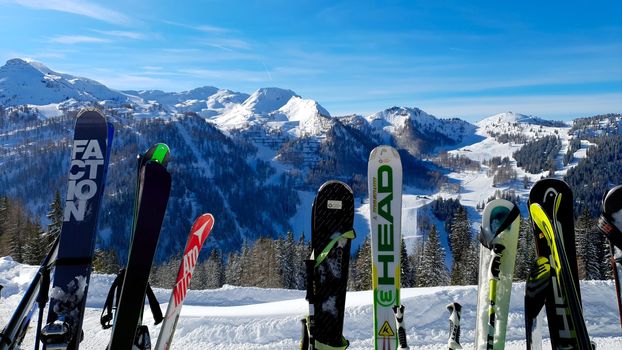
(279, 263)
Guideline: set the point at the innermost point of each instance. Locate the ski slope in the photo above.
(253, 318)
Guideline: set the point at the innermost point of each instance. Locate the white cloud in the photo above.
(200, 27)
(227, 44)
(235, 75)
(78, 7)
(122, 34)
(77, 39)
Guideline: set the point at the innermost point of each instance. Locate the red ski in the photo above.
(198, 234)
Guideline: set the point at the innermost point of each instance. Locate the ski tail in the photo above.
(399, 325)
(455, 311)
(199, 232)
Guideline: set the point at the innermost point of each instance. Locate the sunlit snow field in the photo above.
(254, 318)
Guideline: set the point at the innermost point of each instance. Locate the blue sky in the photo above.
(450, 58)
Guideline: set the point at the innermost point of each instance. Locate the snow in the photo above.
(254, 318)
(266, 100)
(39, 85)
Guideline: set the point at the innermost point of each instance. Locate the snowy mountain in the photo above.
(254, 318)
(23, 82)
(271, 147)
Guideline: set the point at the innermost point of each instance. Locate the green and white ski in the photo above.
(499, 239)
(385, 204)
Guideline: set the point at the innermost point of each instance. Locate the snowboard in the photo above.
(332, 231)
(153, 191)
(610, 224)
(563, 305)
(385, 203)
(199, 232)
(73, 264)
(499, 238)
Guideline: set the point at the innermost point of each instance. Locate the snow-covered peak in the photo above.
(299, 109)
(507, 117)
(512, 117)
(397, 117)
(224, 97)
(28, 82)
(266, 100)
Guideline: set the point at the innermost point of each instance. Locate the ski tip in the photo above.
(384, 151)
(335, 183)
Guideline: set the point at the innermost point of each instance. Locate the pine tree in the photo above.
(35, 246)
(583, 246)
(303, 252)
(460, 238)
(526, 250)
(4, 219)
(105, 261)
(432, 271)
(288, 266)
(233, 270)
(407, 274)
(363, 266)
(56, 219)
(471, 262)
(214, 270)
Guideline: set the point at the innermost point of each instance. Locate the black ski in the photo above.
(327, 269)
(153, 192)
(550, 208)
(610, 224)
(73, 263)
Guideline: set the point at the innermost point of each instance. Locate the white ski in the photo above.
(385, 204)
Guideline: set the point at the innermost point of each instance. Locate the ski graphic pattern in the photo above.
(332, 231)
(385, 204)
(201, 229)
(89, 162)
(566, 299)
(499, 239)
(564, 328)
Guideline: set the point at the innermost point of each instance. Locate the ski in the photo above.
(73, 264)
(332, 231)
(455, 311)
(563, 300)
(610, 224)
(153, 189)
(536, 289)
(385, 203)
(198, 234)
(499, 239)
(571, 332)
